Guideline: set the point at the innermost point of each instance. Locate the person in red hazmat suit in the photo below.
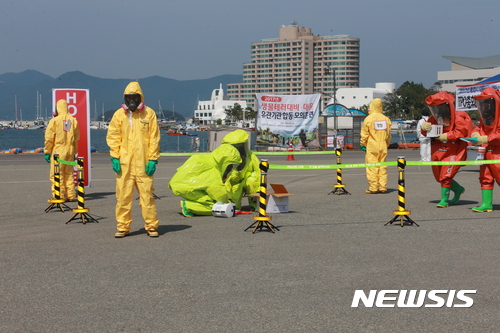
(61, 137)
(245, 178)
(200, 181)
(375, 138)
(134, 141)
(447, 146)
(487, 133)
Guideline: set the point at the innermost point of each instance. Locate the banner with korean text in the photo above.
(465, 94)
(285, 118)
(78, 107)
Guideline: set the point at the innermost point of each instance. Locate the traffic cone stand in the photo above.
(262, 220)
(56, 202)
(339, 187)
(81, 197)
(290, 149)
(401, 214)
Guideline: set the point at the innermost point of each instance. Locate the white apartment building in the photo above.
(298, 62)
(207, 112)
(354, 98)
(466, 71)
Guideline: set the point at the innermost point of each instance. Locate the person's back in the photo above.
(375, 139)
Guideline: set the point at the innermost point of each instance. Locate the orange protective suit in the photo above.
(489, 126)
(454, 149)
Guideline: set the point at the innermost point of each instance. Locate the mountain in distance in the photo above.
(172, 95)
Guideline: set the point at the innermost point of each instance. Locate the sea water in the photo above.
(32, 139)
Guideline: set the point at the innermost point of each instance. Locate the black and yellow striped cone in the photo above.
(339, 187)
(401, 214)
(56, 202)
(262, 220)
(81, 196)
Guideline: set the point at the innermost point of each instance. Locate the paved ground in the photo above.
(206, 274)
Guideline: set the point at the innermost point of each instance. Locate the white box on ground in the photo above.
(277, 202)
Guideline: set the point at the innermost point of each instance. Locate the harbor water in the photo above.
(28, 140)
(32, 139)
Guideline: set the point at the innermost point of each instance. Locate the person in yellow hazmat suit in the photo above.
(201, 180)
(61, 137)
(134, 141)
(375, 138)
(245, 178)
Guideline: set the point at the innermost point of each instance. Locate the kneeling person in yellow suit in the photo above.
(245, 178)
(201, 180)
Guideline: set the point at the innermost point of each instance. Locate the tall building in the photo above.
(298, 62)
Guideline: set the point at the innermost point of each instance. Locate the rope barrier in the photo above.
(379, 164)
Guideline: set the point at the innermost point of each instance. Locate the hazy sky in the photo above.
(196, 39)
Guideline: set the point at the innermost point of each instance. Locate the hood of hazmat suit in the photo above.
(457, 124)
(62, 133)
(202, 175)
(245, 178)
(488, 105)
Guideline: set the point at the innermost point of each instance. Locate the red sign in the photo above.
(273, 99)
(78, 107)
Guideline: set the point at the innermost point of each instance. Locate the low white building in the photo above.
(354, 98)
(466, 71)
(207, 112)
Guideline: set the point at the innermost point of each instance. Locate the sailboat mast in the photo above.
(15, 102)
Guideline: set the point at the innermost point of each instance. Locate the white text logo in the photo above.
(413, 298)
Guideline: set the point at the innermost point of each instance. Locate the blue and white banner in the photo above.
(465, 95)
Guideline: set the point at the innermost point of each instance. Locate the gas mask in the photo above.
(133, 102)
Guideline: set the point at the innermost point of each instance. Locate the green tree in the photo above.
(237, 113)
(407, 101)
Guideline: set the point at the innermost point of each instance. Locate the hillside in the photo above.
(181, 96)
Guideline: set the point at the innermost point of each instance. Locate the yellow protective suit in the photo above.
(200, 179)
(134, 139)
(61, 137)
(376, 137)
(245, 178)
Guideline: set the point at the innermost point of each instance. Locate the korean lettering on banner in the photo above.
(465, 95)
(287, 114)
(79, 108)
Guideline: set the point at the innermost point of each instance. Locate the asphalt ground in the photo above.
(206, 274)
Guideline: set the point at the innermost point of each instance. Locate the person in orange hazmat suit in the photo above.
(447, 146)
(487, 134)
(134, 141)
(61, 137)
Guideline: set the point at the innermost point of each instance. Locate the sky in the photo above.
(400, 40)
